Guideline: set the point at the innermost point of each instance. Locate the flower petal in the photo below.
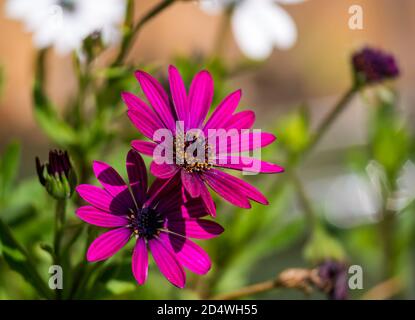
(248, 165)
(241, 120)
(100, 218)
(157, 97)
(200, 99)
(260, 25)
(140, 261)
(240, 141)
(167, 262)
(143, 117)
(238, 186)
(101, 199)
(189, 254)
(195, 228)
(226, 190)
(113, 183)
(144, 125)
(191, 182)
(137, 175)
(144, 147)
(207, 200)
(224, 111)
(163, 171)
(107, 244)
(179, 94)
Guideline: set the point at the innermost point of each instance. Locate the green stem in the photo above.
(59, 227)
(28, 269)
(305, 202)
(387, 235)
(222, 33)
(132, 33)
(330, 118)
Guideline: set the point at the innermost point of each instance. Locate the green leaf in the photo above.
(322, 246)
(9, 167)
(18, 260)
(294, 130)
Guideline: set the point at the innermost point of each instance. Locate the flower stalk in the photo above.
(293, 278)
(131, 34)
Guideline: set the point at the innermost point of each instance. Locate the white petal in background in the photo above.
(64, 30)
(261, 25)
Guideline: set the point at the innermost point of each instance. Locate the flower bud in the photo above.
(57, 175)
(372, 66)
(333, 277)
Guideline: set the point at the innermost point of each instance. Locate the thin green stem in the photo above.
(305, 202)
(29, 268)
(222, 33)
(330, 119)
(132, 32)
(59, 228)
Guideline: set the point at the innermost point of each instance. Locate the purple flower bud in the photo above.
(57, 175)
(333, 275)
(373, 66)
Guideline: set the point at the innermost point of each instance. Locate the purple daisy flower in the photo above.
(191, 110)
(157, 217)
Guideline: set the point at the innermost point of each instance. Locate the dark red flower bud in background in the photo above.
(333, 275)
(373, 66)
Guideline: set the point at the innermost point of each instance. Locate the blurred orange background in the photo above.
(316, 70)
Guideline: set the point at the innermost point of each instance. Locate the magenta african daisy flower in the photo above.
(190, 110)
(157, 217)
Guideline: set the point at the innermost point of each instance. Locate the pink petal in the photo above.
(178, 93)
(167, 262)
(157, 97)
(137, 175)
(207, 200)
(195, 228)
(238, 186)
(101, 199)
(246, 141)
(160, 189)
(140, 261)
(223, 112)
(248, 164)
(189, 254)
(163, 171)
(107, 244)
(144, 147)
(144, 125)
(200, 99)
(191, 183)
(100, 218)
(143, 117)
(113, 183)
(241, 120)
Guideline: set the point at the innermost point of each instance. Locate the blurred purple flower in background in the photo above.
(373, 66)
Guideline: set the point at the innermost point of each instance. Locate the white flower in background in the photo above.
(64, 24)
(354, 199)
(258, 25)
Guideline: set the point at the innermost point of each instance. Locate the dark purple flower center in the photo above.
(194, 155)
(146, 223)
